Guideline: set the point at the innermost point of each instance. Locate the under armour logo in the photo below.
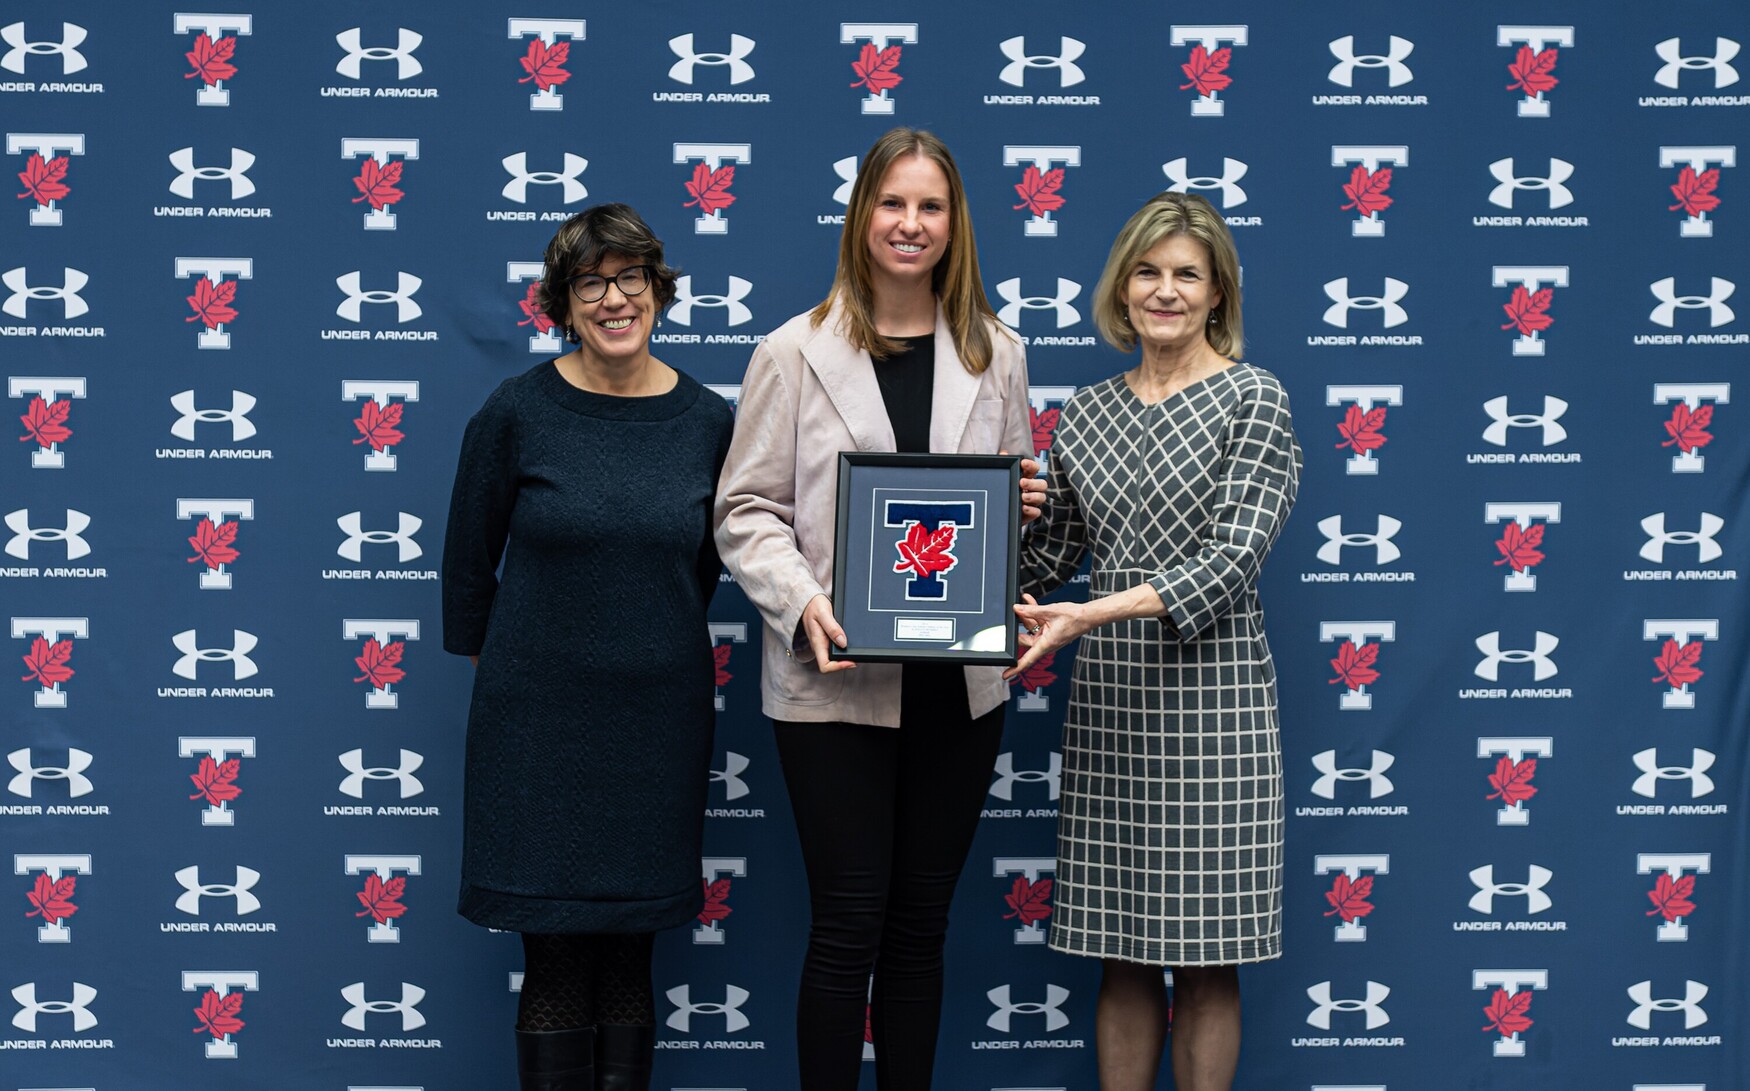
(1055, 1019)
(194, 890)
(237, 416)
(681, 996)
(30, 1007)
(408, 1006)
(1536, 901)
(1658, 537)
(237, 173)
(1320, 994)
(1378, 784)
(353, 784)
(1010, 312)
(406, 526)
(1398, 73)
(73, 305)
(846, 169)
(1384, 550)
(1641, 992)
(521, 178)
(1490, 645)
(406, 310)
(730, 775)
(1560, 170)
(1232, 170)
(1007, 776)
(1553, 432)
(1665, 291)
(73, 773)
(23, 534)
(237, 654)
(406, 64)
(1337, 314)
(684, 301)
(1647, 761)
(71, 59)
(1671, 52)
(1069, 73)
(739, 48)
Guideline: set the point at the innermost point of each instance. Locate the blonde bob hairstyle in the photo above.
(955, 279)
(1164, 215)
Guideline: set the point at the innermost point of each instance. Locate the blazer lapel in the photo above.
(954, 392)
(848, 376)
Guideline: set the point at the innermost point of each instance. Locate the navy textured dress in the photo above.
(589, 732)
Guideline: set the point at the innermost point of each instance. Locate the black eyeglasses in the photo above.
(589, 287)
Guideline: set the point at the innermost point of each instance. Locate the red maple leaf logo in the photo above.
(211, 60)
(381, 901)
(1349, 899)
(47, 663)
(1366, 190)
(1670, 897)
(531, 306)
(380, 663)
(1360, 431)
(1694, 192)
(1511, 780)
(1676, 663)
(721, 654)
(716, 901)
(1028, 901)
(218, 1014)
(44, 179)
(1044, 427)
(379, 427)
(212, 303)
(1519, 547)
(1038, 191)
(1207, 71)
(875, 68)
(215, 781)
(46, 422)
(545, 64)
(1507, 1013)
(925, 553)
(53, 898)
(710, 188)
(1036, 677)
(1354, 665)
(1526, 310)
(1531, 71)
(214, 545)
(1688, 429)
(377, 184)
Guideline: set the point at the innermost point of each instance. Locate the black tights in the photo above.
(572, 981)
(885, 818)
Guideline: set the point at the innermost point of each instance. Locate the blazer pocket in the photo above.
(802, 683)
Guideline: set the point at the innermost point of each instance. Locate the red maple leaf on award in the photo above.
(1354, 664)
(379, 426)
(1360, 431)
(1044, 427)
(376, 184)
(1207, 71)
(52, 898)
(531, 307)
(1688, 429)
(218, 1014)
(1519, 547)
(215, 781)
(212, 303)
(1511, 780)
(380, 663)
(46, 422)
(1506, 1014)
(1676, 663)
(1695, 192)
(925, 553)
(1348, 899)
(545, 64)
(1527, 312)
(44, 179)
(1038, 191)
(716, 901)
(1027, 901)
(382, 901)
(721, 654)
(1036, 677)
(211, 59)
(1531, 71)
(710, 188)
(875, 68)
(47, 663)
(1670, 897)
(1366, 190)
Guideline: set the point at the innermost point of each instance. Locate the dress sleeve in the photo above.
(480, 508)
(1254, 491)
(710, 562)
(1053, 546)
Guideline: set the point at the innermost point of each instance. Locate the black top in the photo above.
(908, 385)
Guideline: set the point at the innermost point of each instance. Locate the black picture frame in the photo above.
(894, 605)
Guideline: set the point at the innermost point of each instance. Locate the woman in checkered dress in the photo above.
(1176, 477)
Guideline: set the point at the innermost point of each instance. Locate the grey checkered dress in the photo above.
(1169, 835)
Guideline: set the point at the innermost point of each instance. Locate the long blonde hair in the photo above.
(955, 279)
(1163, 215)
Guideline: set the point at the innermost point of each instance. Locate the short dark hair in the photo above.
(584, 241)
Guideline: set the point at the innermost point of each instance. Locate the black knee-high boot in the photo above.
(556, 1060)
(624, 1056)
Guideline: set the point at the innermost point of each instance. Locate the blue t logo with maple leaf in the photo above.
(925, 552)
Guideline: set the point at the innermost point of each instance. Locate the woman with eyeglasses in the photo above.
(590, 477)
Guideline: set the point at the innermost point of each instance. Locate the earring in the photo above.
(570, 334)
(1214, 319)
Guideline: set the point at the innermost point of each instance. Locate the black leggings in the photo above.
(885, 819)
(579, 980)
